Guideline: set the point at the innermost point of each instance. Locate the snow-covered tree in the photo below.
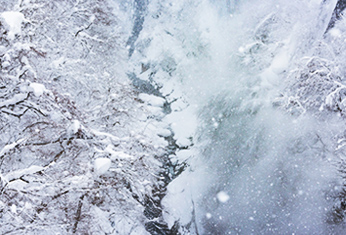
(79, 151)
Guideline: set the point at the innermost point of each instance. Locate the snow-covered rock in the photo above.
(152, 100)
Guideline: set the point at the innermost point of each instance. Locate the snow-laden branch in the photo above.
(10, 147)
(22, 172)
(16, 99)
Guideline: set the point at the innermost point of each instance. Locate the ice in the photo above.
(102, 165)
(13, 20)
(222, 196)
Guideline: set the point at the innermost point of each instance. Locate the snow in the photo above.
(15, 99)
(89, 91)
(281, 61)
(183, 142)
(208, 215)
(335, 32)
(2, 50)
(17, 185)
(101, 218)
(269, 78)
(230, 149)
(155, 111)
(19, 173)
(183, 124)
(14, 209)
(152, 100)
(9, 147)
(164, 132)
(74, 127)
(210, 67)
(241, 49)
(102, 165)
(105, 134)
(13, 20)
(58, 62)
(179, 105)
(183, 154)
(118, 154)
(37, 88)
(222, 196)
